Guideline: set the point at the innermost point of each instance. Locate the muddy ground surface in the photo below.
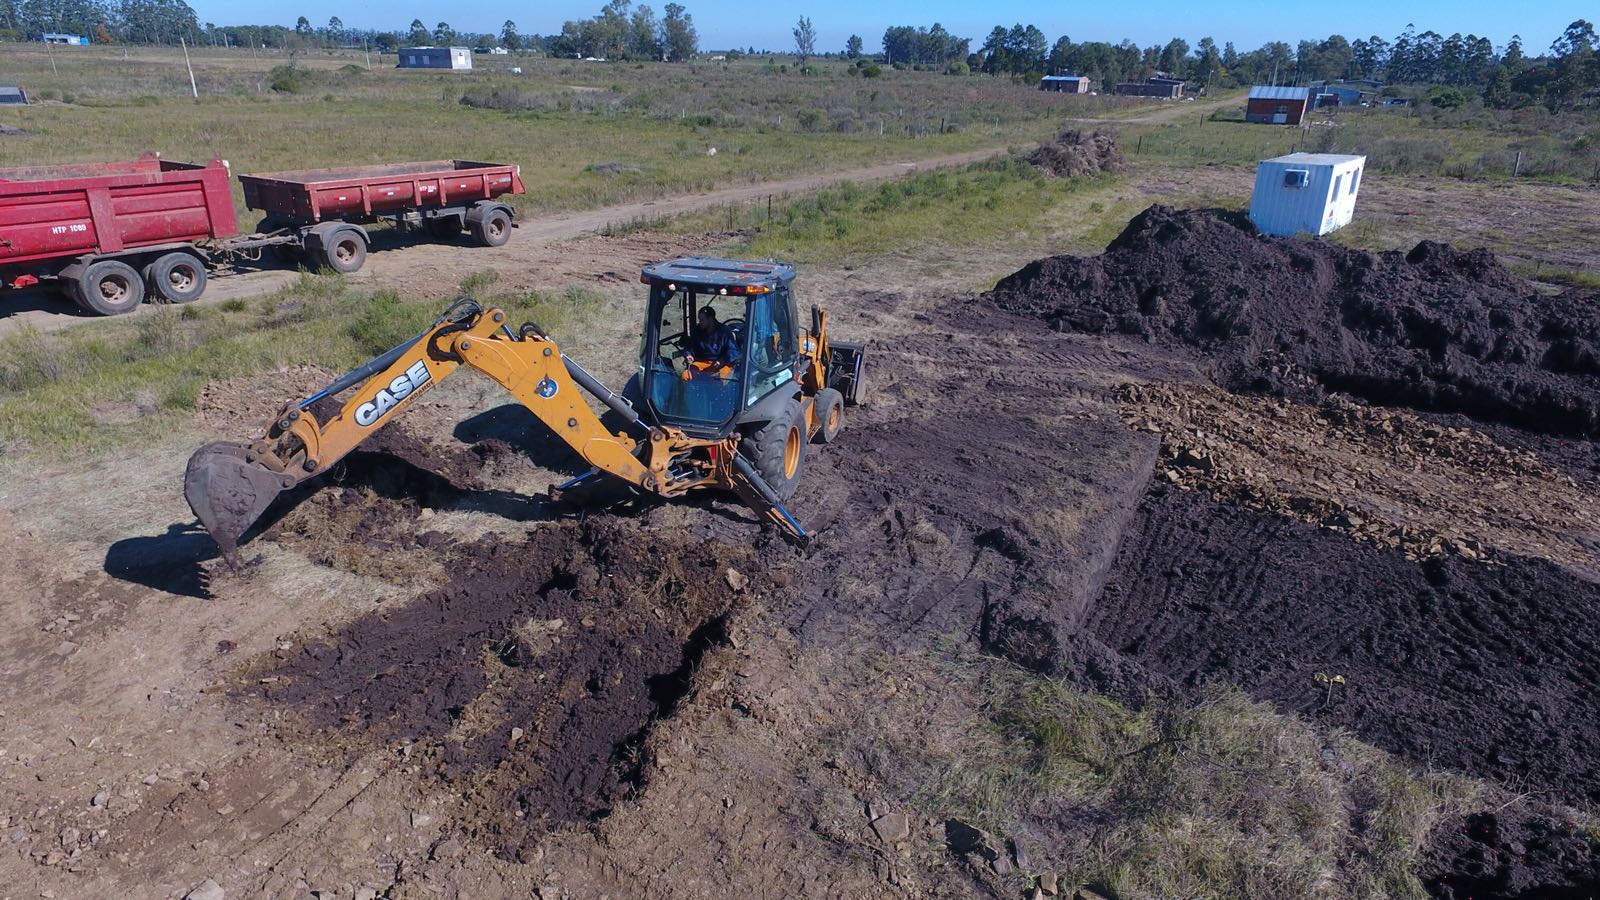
(1524, 854)
(428, 683)
(1447, 660)
(1434, 328)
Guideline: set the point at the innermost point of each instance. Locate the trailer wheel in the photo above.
(176, 277)
(493, 228)
(343, 251)
(110, 287)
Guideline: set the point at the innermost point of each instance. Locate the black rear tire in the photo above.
(778, 450)
(343, 251)
(176, 277)
(493, 228)
(830, 415)
(110, 287)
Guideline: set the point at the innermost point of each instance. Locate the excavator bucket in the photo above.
(228, 493)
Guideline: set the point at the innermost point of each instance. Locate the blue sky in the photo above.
(735, 23)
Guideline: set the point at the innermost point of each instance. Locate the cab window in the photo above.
(772, 344)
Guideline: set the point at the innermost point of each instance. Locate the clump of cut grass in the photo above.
(1221, 797)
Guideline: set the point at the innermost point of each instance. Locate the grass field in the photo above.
(585, 135)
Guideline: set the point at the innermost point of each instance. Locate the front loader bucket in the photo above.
(229, 493)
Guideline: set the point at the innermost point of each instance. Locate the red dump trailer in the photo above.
(322, 209)
(105, 232)
(105, 229)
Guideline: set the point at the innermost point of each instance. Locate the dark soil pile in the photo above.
(1521, 854)
(1485, 669)
(1072, 154)
(1436, 329)
(530, 681)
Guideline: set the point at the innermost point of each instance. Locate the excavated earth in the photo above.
(529, 682)
(1081, 504)
(1434, 329)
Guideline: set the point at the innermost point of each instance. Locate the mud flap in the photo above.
(228, 493)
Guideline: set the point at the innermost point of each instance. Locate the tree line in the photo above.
(620, 31)
(103, 21)
(1568, 74)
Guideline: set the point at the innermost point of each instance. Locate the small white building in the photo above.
(456, 58)
(1305, 193)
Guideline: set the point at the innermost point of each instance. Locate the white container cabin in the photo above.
(458, 59)
(1306, 193)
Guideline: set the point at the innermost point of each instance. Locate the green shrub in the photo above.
(871, 70)
(289, 79)
(958, 68)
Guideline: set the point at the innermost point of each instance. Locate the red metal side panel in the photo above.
(45, 224)
(377, 190)
(67, 211)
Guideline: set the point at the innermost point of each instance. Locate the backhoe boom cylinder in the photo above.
(604, 394)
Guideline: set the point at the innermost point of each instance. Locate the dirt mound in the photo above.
(1516, 855)
(1436, 328)
(1483, 669)
(530, 681)
(1072, 154)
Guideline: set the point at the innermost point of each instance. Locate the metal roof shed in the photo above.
(1305, 193)
(10, 96)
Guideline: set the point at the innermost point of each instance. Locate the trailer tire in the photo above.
(778, 450)
(110, 287)
(176, 277)
(343, 250)
(493, 228)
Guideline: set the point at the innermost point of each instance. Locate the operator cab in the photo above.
(693, 378)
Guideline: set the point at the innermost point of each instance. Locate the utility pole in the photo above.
(190, 66)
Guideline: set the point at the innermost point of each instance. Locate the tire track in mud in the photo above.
(1484, 669)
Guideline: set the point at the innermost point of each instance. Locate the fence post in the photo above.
(1516, 169)
(1139, 147)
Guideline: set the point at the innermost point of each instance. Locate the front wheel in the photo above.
(344, 251)
(778, 450)
(830, 415)
(493, 228)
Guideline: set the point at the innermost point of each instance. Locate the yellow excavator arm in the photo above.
(229, 485)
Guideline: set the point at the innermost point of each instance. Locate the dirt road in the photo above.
(527, 259)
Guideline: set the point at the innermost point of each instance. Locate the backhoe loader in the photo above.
(737, 420)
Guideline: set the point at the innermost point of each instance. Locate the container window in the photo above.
(1296, 178)
(1355, 177)
(1338, 182)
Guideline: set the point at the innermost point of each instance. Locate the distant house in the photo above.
(1157, 85)
(70, 40)
(456, 58)
(13, 96)
(1065, 84)
(1274, 105)
(1342, 93)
